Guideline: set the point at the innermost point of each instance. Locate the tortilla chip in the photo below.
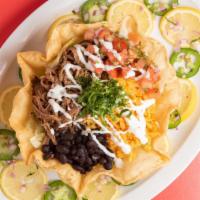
(25, 125)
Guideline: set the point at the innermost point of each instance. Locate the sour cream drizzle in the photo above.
(118, 161)
(58, 92)
(57, 108)
(67, 69)
(137, 125)
(109, 47)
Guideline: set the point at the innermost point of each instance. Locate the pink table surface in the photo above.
(186, 186)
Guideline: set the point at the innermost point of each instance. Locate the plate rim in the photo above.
(171, 171)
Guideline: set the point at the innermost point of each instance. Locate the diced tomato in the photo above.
(124, 71)
(98, 70)
(107, 62)
(119, 44)
(90, 48)
(89, 34)
(111, 57)
(134, 37)
(115, 73)
(105, 34)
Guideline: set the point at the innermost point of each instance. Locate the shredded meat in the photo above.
(54, 76)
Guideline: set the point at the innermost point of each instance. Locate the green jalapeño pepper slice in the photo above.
(186, 62)
(94, 10)
(174, 120)
(8, 145)
(59, 191)
(160, 7)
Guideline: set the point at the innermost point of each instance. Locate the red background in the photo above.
(186, 186)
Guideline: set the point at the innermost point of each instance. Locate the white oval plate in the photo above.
(31, 35)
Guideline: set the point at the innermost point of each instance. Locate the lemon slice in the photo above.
(62, 20)
(22, 182)
(180, 25)
(189, 99)
(102, 189)
(6, 101)
(120, 9)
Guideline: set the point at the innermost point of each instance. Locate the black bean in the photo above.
(77, 167)
(84, 139)
(67, 136)
(63, 158)
(78, 140)
(46, 148)
(76, 158)
(47, 156)
(91, 144)
(95, 157)
(62, 149)
(102, 160)
(73, 151)
(108, 165)
(88, 168)
(80, 151)
(89, 161)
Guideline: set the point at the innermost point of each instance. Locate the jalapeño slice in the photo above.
(174, 120)
(94, 10)
(8, 145)
(186, 62)
(59, 190)
(160, 7)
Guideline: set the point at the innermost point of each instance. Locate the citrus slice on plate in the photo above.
(6, 101)
(189, 99)
(104, 188)
(120, 9)
(180, 25)
(63, 20)
(22, 182)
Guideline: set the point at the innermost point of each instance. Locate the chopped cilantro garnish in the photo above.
(84, 81)
(100, 98)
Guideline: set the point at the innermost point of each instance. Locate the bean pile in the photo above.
(80, 151)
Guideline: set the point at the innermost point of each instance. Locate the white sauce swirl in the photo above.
(57, 108)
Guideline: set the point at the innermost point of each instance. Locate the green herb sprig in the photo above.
(100, 98)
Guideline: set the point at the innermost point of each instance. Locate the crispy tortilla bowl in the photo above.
(145, 160)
